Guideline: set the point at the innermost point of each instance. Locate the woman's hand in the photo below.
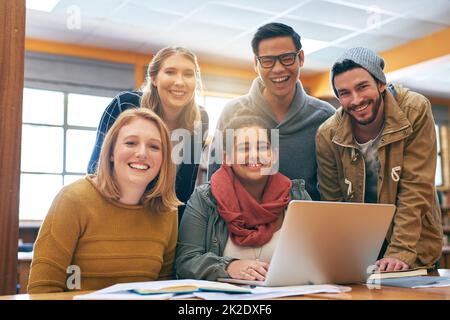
(248, 270)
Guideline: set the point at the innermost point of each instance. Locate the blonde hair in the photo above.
(160, 194)
(150, 98)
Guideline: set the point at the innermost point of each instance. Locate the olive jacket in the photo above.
(203, 235)
(407, 153)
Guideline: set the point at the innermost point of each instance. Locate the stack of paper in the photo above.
(122, 295)
(259, 293)
(415, 282)
(211, 290)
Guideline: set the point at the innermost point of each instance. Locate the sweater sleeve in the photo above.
(193, 260)
(167, 269)
(55, 246)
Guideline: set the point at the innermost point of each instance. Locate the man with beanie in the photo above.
(278, 97)
(380, 147)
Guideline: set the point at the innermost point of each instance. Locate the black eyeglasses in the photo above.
(286, 59)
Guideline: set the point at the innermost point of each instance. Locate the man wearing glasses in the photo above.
(278, 97)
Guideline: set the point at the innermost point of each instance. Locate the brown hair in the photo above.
(150, 97)
(245, 118)
(160, 194)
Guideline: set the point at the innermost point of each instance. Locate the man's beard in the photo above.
(375, 110)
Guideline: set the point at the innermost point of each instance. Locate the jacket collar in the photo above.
(394, 121)
(206, 194)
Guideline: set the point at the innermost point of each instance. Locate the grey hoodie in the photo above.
(297, 131)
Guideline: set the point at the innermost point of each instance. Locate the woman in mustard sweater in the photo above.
(119, 225)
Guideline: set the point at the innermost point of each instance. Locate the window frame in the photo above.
(65, 126)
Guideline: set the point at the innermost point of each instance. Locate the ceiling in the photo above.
(220, 31)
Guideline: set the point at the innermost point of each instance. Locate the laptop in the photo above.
(326, 242)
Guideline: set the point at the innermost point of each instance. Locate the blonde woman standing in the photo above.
(173, 77)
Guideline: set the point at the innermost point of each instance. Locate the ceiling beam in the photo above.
(83, 51)
(138, 59)
(417, 51)
(427, 48)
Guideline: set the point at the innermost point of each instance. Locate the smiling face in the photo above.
(280, 80)
(137, 154)
(360, 95)
(176, 82)
(251, 154)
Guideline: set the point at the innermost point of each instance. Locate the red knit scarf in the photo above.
(249, 222)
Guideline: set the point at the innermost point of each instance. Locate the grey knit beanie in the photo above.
(366, 58)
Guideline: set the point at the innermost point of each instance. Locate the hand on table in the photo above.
(248, 269)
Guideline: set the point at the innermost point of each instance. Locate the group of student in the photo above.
(137, 216)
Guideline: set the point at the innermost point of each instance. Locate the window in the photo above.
(58, 135)
(213, 106)
(438, 181)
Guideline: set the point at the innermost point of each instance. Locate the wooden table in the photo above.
(359, 292)
(362, 292)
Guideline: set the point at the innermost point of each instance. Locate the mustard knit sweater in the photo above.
(110, 242)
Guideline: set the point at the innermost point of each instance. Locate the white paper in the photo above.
(259, 293)
(307, 289)
(413, 282)
(443, 283)
(122, 291)
(122, 295)
(156, 285)
(183, 296)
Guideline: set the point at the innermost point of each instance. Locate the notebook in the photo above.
(326, 242)
(397, 274)
(189, 286)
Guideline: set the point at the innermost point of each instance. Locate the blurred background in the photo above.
(80, 54)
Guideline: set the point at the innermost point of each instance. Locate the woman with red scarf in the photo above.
(231, 225)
